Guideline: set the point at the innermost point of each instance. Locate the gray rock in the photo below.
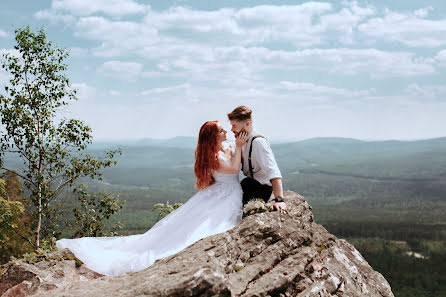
(47, 272)
(268, 254)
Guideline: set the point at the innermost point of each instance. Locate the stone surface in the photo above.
(268, 254)
(50, 271)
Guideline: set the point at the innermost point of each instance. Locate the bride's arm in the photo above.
(235, 166)
(231, 147)
(236, 157)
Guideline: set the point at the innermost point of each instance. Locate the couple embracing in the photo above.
(215, 208)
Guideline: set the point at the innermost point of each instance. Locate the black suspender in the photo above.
(249, 158)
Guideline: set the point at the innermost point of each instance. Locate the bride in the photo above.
(215, 208)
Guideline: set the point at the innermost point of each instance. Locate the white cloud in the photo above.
(214, 60)
(167, 90)
(423, 12)
(310, 109)
(231, 64)
(346, 20)
(4, 78)
(78, 52)
(409, 29)
(255, 93)
(192, 19)
(177, 94)
(11, 52)
(329, 93)
(85, 92)
(238, 53)
(303, 25)
(441, 58)
(120, 70)
(109, 7)
(426, 92)
(114, 93)
(293, 24)
(55, 17)
(3, 33)
(117, 37)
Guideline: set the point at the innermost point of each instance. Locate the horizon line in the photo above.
(283, 140)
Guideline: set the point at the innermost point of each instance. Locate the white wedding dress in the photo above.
(212, 210)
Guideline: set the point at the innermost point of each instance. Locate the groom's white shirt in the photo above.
(264, 164)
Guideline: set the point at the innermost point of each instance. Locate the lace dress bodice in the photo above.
(225, 177)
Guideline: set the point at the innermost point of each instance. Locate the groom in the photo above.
(258, 162)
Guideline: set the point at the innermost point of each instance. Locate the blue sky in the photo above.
(159, 69)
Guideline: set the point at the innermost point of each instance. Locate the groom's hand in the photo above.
(280, 206)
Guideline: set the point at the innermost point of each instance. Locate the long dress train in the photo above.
(212, 210)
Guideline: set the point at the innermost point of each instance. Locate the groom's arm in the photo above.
(278, 192)
(277, 187)
(267, 162)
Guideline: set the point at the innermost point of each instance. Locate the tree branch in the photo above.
(25, 238)
(12, 171)
(22, 153)
(61, 186)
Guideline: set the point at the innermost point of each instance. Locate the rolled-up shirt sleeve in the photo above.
(266, 160)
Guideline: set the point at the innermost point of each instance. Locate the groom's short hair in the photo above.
(240, 113)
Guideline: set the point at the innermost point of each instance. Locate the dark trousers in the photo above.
(253, 189)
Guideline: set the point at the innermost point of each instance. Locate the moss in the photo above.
(76, 260)
(57, 258)
(295, 251)
(237, 268)
(70, 257)
(321, 248)
(308, 243)
(30, 258)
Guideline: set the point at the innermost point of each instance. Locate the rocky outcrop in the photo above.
(41, 273)
(268, 254)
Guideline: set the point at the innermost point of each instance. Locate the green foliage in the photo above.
(52, 151)
(237, 268)
(95, 209)
(10, 212)
(321, 248)
(30, 258)
(47, 245)
(165, 209)
(408, 276)
(17, 242)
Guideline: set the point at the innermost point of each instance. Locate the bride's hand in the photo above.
(240, 140)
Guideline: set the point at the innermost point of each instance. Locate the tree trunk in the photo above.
(39, 217)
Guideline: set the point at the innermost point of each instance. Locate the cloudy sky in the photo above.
(159, 69)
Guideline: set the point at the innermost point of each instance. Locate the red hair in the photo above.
(206, 158)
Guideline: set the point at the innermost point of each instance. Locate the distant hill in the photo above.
(392, 183)
(317, 168)
(178, 142)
